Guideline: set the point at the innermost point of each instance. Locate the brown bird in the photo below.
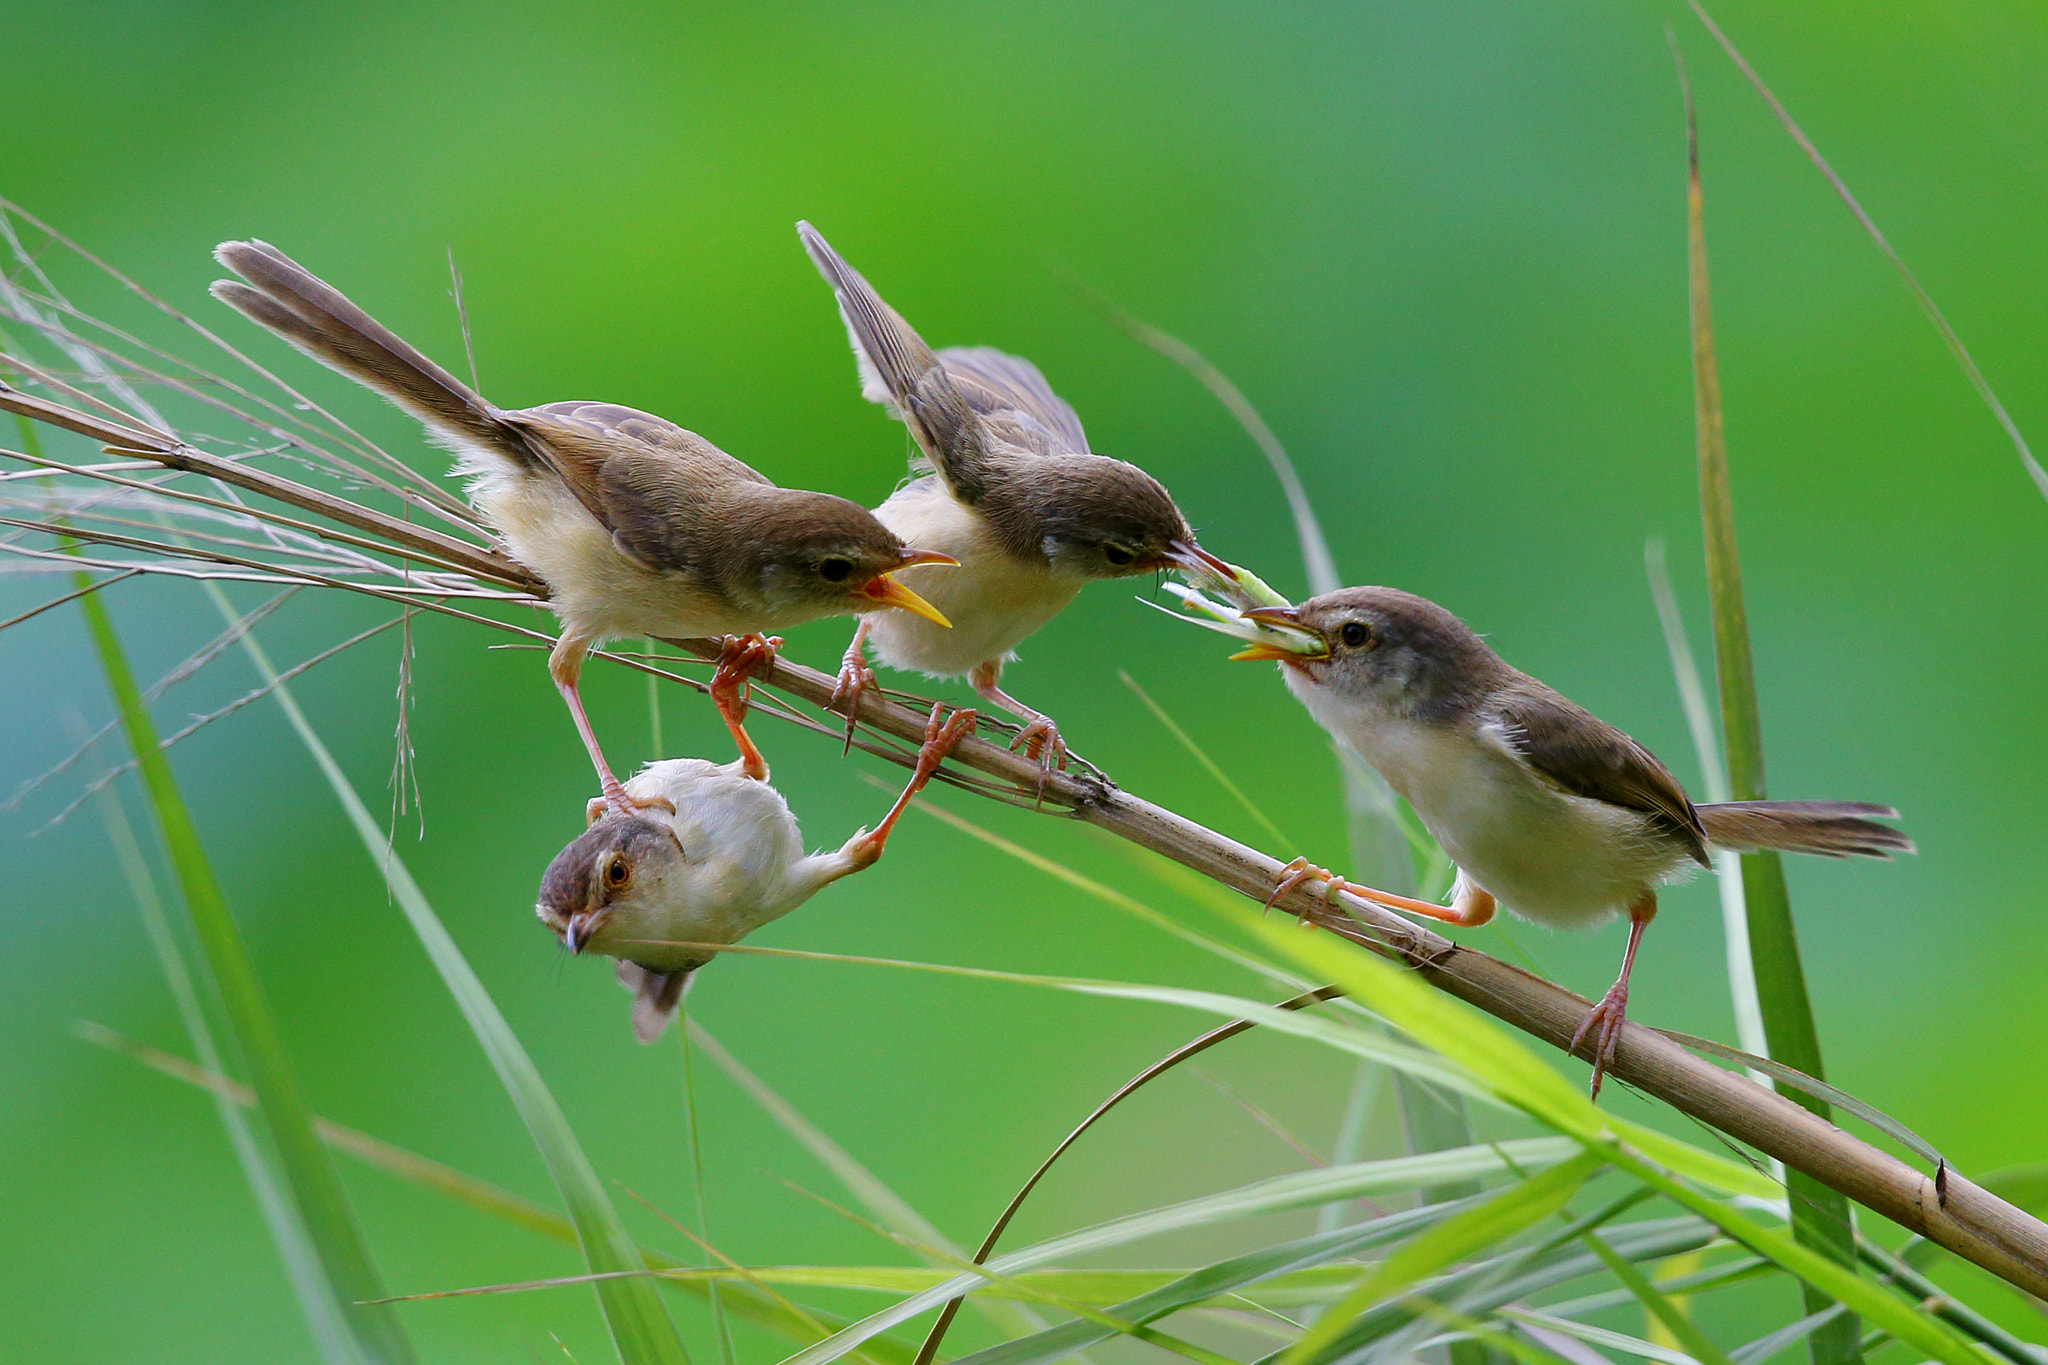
(637, 526)
(1007, 486)
(1547, 810)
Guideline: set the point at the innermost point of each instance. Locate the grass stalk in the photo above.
(639, 1322)
(316, 1190)
(287, 1232)
(1820, 1215)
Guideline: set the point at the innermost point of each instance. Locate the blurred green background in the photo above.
(1440, 246)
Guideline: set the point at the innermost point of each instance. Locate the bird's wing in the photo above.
(649, 482)
(898, 369)
(1014, 400)
(1581, 754)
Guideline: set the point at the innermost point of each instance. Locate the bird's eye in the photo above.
(1117, 555)
(616, 873)
(1356, 634)
(835, 569)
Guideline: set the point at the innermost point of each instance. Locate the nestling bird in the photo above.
(1007, 486)
(637, 526)
(1547, 810)
(724, 861)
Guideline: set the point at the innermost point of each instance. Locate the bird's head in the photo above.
(602, 888)
(820, 555)
(1094, 517)
(1381, 649)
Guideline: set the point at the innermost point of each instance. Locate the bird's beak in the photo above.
(1194, 561)
(1293, 643)
(577, 930)
(884, 590)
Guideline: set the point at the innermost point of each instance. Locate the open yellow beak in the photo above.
(1261, 652)
(1298, 644)
(884, 590)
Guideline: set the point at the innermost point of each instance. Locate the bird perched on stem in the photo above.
(651, 889)
(1547, 810)
(637, 526)
(1007, 486)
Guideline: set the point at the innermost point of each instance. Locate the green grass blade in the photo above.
(1479, 1289)
(718, 1322)
(1659, 1306)
(800, 1326)
(889, 1208)
(1594, 1336)
(1224, 1277)
(1869, 225)
(1488, 1224)
(1828, 1280)
(1820, 1216)
(1208, 764)
(316, 1190)
(294, 1247)
(1769, 1344)
(1301, 1189)
(639, 1322)
(1706, 741)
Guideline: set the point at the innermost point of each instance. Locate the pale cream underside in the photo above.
(743, 865)
(992, 599)
(596, 591)
(1545, 854)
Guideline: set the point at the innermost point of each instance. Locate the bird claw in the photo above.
(595, 808)
(1302, 870)
(1041, 740)
(740, 658)
(1604, 1022)
(855, 678)
(941, 737)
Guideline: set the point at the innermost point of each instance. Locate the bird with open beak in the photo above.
(1547, 810)
(711, 854)
(637, 526)
(1007, 485)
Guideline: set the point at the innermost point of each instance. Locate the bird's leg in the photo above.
(1605, 1019)
(741, 658)
(565, 665)
(1040, 738)
(1471, 906)
(855, 677)
(939, 740)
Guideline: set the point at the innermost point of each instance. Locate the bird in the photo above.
(726, 858)
(1547, 810)
(1006, 484)
(637, 526)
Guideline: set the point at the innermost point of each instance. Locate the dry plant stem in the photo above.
(1944, 1208)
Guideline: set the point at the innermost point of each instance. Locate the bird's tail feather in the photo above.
(655, 997)
(311, 314)
(1833, 829)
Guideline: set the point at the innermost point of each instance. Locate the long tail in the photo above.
(1833, 829)
(655, 997)
(311, 314)
(897, 368)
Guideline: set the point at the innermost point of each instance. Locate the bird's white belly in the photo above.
(740, 844)
(993, 600)
(1544, 854)
(597, 592)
